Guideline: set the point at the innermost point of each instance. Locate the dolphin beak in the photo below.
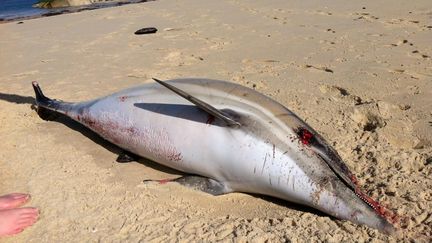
(339, 200)
(340, 195)
(361, 211)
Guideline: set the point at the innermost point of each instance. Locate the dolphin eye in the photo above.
(305, 136)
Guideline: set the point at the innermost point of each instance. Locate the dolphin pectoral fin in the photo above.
(125, 157)
(199, 183)
(203, 184)
(201, 104)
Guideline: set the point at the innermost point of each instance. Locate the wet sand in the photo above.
(47, 12)
(359, 73)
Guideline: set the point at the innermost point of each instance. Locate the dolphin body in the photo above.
(229, 138)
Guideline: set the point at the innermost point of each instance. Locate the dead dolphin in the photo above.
(229, 138)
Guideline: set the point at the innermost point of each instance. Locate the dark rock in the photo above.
(143, 31)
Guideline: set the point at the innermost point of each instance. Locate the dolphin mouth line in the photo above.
(382, 211)
(379, 209)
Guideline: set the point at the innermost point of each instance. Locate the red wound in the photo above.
(305, 136)
(122, 98)
(164, 181)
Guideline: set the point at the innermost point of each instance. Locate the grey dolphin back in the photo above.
(327, 153)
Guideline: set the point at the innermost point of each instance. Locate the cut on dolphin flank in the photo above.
(230, 138)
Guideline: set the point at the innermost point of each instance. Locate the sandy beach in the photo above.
(359, 73)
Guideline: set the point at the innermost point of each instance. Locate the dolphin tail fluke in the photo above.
(47, 109)
(40, 97)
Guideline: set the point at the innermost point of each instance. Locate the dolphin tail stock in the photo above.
(48, 109)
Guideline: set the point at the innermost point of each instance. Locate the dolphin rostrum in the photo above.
(228, 138)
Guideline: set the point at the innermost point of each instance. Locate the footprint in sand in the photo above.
(340, 94)
(327, 42)
(330, 30)
(260, 85)
(138, 73)
(413, 75)
(172, 29)
(320, 12)
(364, 16)
(25, 74)
(277, 15)
(368, 117)
(319, 68)
(178, 58)
(404, 23)
(401, 42)
(416, 53)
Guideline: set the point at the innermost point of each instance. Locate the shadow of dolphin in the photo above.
(17, 99)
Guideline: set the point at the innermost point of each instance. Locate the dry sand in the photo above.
(359, 73)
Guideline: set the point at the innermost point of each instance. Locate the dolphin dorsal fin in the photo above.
(201, 104)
